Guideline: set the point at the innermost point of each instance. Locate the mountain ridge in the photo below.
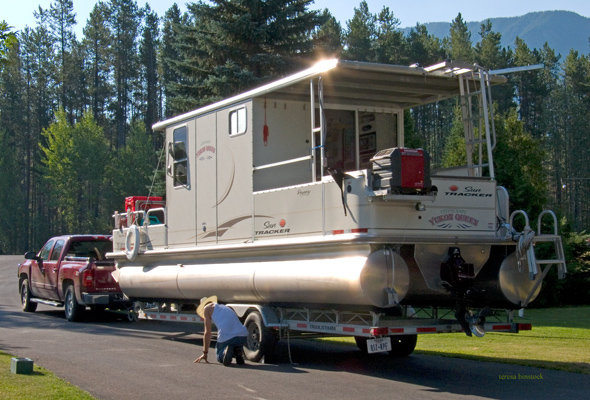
(569, 30)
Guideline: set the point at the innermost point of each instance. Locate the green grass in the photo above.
(560, 340)
(40, 385)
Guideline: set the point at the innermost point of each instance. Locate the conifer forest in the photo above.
(76, 112)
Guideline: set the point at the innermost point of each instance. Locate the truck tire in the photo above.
(403, 345)
(74, 311)
(261, 340)
(25, 297)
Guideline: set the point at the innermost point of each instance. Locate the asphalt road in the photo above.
(114, 359)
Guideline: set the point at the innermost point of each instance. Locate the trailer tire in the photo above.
(132, 253)
(403, 345)
(74, 311)
(261, 340)
(25, 297)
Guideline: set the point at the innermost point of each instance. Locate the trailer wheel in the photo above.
(25, 297)
(73, 310)
(403, 345)
(261, 340)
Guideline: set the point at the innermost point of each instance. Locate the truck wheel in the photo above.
(403, 345)
(25, 297)
(74, 311)
(261, 340)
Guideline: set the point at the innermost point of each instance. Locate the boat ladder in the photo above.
(478, 120)
(526, 251)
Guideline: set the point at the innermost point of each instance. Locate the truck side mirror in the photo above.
(31, 255)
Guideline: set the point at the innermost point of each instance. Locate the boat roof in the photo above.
(357, 83)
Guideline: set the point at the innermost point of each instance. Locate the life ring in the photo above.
(132, 253)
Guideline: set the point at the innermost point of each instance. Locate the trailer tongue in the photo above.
(298, 205)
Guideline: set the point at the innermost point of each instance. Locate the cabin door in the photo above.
(180, 185)
(206, 172)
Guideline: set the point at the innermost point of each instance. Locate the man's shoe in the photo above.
(229, 354)
(239, 352)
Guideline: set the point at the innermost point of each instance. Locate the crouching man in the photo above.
(231, 334)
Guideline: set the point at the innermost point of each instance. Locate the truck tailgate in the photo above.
(103, 277)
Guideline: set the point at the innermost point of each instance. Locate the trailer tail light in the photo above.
(379, 331)
(525, 327)
(88, 279)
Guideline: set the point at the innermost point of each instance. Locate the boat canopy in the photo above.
(359, 83)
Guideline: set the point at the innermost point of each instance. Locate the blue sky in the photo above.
(408, 12)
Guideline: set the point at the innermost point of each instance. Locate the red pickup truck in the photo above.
(71, 271)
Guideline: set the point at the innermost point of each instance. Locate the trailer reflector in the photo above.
(505, 327)
(426, 330)
(525, 327)
(379, 331)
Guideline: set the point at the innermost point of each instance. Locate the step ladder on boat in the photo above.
(526, 251)
(476, 111)
(478, 120)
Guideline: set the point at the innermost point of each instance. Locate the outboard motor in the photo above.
(457, 276)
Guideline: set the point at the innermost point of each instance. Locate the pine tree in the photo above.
(97, 44)
(360, 35)
(422, 48)
(75, 160)
(7, 40)
(490, 54)
(519, 161)
(124, 24)
(170, 59)
(61, 20)
(148, 50)
(390, 44)
(458, 44)
(13, 144)
(328, 38)
(572, 122)
(533, 87)
(237, 44)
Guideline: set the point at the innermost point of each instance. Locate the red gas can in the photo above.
(402, 170)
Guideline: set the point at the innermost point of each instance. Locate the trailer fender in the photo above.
(268, 313)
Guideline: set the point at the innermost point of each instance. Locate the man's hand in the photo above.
(203, 357)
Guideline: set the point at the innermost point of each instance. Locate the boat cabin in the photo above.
(315, 154)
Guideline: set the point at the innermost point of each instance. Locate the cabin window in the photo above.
(57, 250)
(44, 253)
(237, 121)
(179, 155)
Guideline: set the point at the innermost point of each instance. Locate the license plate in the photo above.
(378, 345)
